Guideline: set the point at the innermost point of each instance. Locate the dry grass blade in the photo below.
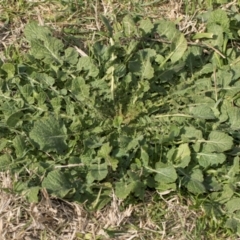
(58, 219)
(165, 218)
(55, 218)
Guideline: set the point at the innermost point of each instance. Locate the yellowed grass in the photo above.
(53, 218)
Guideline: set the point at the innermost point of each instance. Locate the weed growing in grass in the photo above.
(142, 108)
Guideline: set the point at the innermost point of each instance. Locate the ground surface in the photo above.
(159, 216)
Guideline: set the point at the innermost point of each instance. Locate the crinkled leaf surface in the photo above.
(165, 174)
(98, 171)
(49, 134)
(43, 45)
(178, 47)
(122, 190)
(71, 56)
(227, 193)
(167, 29)
(33, 31)
(234, 169)
(104, 152)
(80, 89)
(141, 65)
(190, 133)
(32, 194)
(5, 161)
(182, 155)
(146, 25)
(19, 145)
(178, 42)
(9, 68)
(129, 26)
(233, 205)
(27, 92)
(3, 143)
(43, 78)
(219, 17)
(194, 181)
(233, 223)
(58, 184)
(210, 159)
(202, 111)
(144, 157)
(234, 117)
(218, 142)
(49, 50)
(86, 64)
(14, 119)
